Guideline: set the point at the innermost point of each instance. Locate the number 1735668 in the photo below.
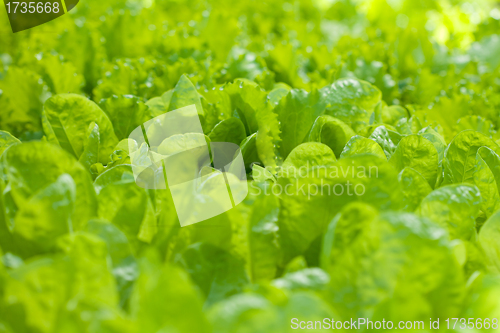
(32, 7)
(472, 323)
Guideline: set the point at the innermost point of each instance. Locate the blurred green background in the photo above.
(428, 53)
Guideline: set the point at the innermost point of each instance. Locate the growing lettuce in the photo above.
(369, 134)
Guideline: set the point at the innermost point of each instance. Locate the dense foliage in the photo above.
(409, 89)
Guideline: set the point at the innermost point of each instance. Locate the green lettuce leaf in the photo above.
(460, 156)
(418, 153)
(185, 94)
(228, 130)
(47, 215)
(264, 250)
(476, 123)
(389, 254)
(332, 132)
(317, 194)
(161, 296)
(69, 285)
(488, 240)
(250, 104)
(392, 114)
(68, 117)
(454, 207)
(386, 139)
(308, 155)
(61, 76)
(21, 101)
(415, 188)
(486, 177)
(7, 140)
(351, 101)
(126, 113)
(128, 207)
(218, 273)
(360, 145)
(90, 153)
(121, 172)
(124, 266)
(32, 167)
(296, 114)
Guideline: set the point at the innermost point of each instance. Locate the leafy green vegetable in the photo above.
(67, 118)
(125, 113)
(6, 140)
(128, 207)
(376, 262)
(415, 188)
(418, 153)
(454, 207)
(332, 132)
(217, 273)
(47, 214)
(488, 237)
(21, 100)
(436, 139)
(351, 101)
(125, 267)
(369, 132)
(392, 114)
(229, 130)
(460, 156)
(309, 155)
(317, 194)
(297, 113)
(90, 153)
(487, 177)
(360, 145)
(121, 172)
(158, 283)
(30, 168)
(382, 136)
(185, 94)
